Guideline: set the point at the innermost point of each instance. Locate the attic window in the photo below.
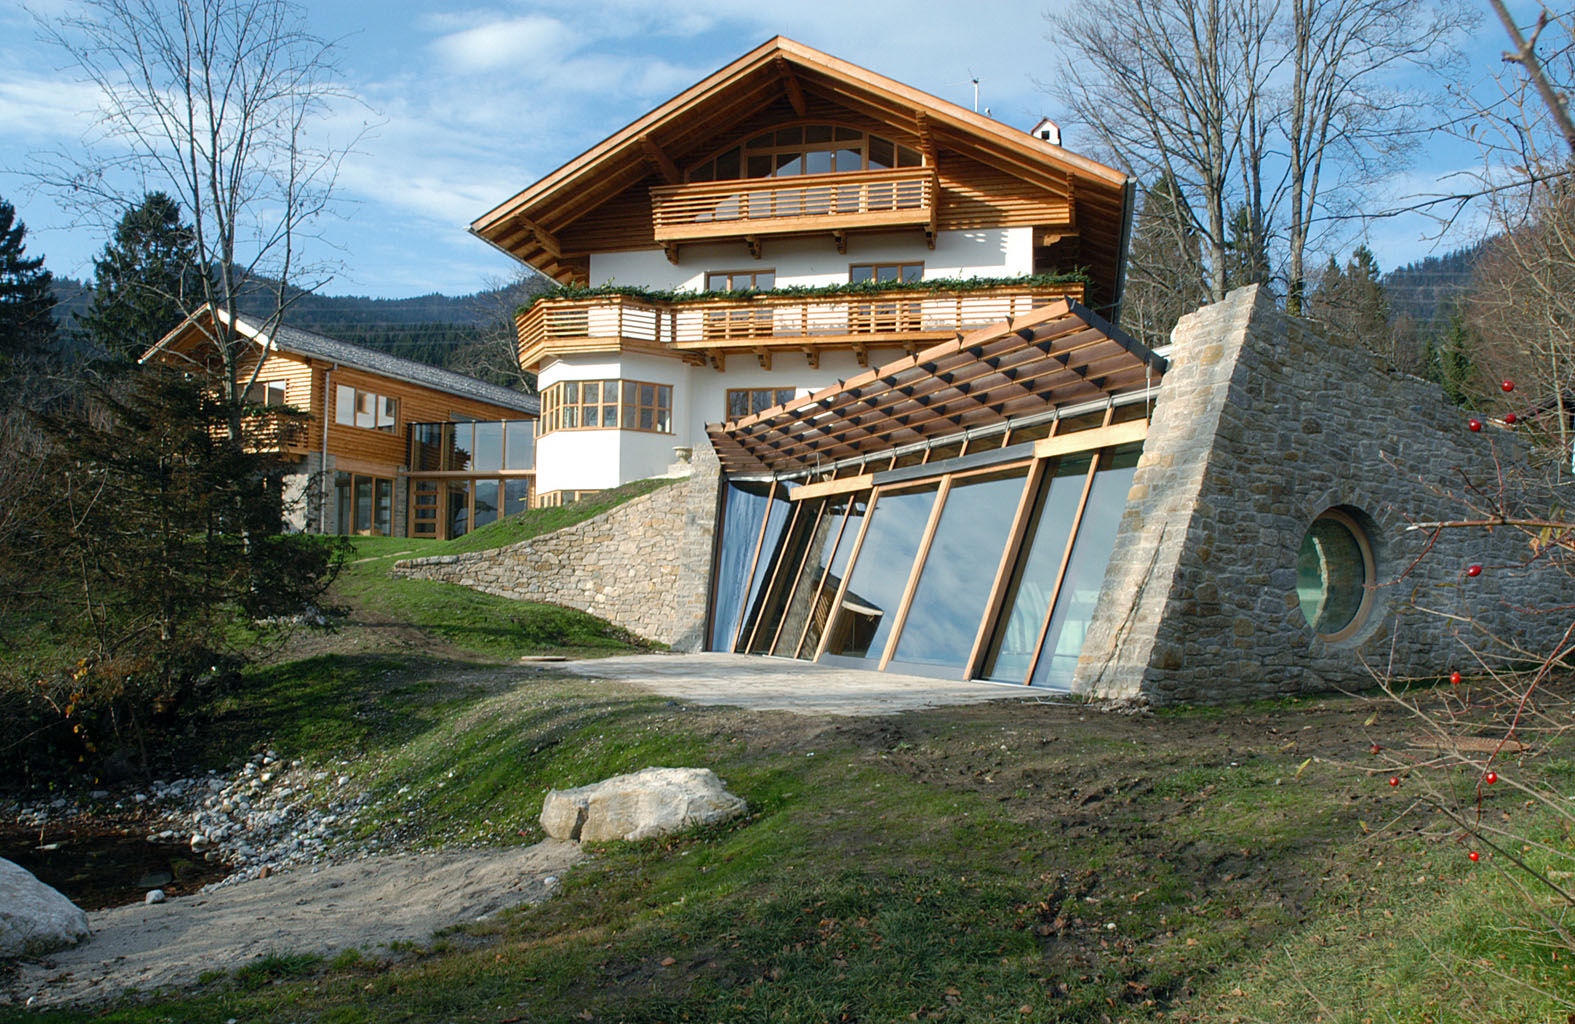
(807, 149)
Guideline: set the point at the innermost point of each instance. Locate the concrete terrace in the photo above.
(759, 683)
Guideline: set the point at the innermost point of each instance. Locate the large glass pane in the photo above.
(955, 581)
(1028, 600)
(783, 574)
(427, 445)
(383, 514)
(489, 447)
(344, 405)
(344, 503)
(462, 455)
(458, 508)
(519, 450)
(1096, 539)
(864, 620)
(777, 519)
(744, 506)
(363, 504)
(516, 495)
(486, 503)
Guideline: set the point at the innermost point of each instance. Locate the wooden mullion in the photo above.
(919, 558)
(743, 611)
(1032, 481)
(847, 574)
(776, 571)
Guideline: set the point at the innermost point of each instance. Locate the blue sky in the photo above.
(472, 103)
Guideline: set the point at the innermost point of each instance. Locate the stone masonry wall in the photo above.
(1262, 425)
(644, 565)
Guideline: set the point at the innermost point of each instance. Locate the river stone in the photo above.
(34, 918)
(653, 802)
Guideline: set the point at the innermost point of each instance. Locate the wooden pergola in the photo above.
(1058, 356)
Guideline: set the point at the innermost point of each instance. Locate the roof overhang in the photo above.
(524, 225)
(1060, 356)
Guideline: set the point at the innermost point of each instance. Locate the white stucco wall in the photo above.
(596, 459)
(814, 260)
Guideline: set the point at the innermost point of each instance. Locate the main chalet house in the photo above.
(390, 447)
(785, 223)
(810, 251)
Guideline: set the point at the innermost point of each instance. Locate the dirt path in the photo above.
(362, 905)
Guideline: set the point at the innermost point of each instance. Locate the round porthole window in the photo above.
(1333, 571)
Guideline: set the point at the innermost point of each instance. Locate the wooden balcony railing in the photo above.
(814, 202)
(554, 326)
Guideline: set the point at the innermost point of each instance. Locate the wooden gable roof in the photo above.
(541, 224)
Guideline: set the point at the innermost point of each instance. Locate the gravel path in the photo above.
(361, 904)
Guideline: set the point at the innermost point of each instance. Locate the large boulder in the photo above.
(34, 918)
(653, 802)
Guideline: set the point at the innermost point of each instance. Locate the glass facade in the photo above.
(988, 568)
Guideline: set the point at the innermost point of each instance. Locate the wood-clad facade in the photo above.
(362, 407)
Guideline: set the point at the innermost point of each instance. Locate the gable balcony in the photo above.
(798, 204)
(703, 330)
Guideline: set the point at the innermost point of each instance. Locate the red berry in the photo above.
(1376, 748)
(1454, 678)
(1473, 570)
(1394, 780)
(1491, 777)
(1510, 418)
(1473, 425)
(1508, 385)
(1475, 856)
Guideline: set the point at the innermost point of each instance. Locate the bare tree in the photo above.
(1267, 113)
(495, 355)
(222, 104)
(1165, 85)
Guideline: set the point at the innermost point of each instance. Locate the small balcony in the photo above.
(706, 330)
(794, 205)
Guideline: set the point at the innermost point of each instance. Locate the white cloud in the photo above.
(520, 42)
(38, 108)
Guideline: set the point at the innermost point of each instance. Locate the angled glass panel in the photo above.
(744, 506)
(863, 621)
(782, 575)
(1028, 597)
(955, 581)
(489, 446)
(1085, 574)
(832, 546)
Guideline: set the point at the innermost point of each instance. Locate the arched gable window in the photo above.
(807, 149)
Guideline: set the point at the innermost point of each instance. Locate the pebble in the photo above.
(154, 896)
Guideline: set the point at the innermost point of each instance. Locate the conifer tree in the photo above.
(27, 318)
(1165, 275)
(143, 284)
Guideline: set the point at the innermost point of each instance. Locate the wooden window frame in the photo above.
(803, 149)
(730, 274)
(355, 478)
(749, 401)
(274, 394)
(374, 400)
(874, 268)
(555, 409)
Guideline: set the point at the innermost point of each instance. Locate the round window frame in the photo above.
(1364, 544)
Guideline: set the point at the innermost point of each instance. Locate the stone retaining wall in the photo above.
(644, 565)
(1262, 425)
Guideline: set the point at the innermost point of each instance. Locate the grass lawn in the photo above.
(988, 863)
(468, 619)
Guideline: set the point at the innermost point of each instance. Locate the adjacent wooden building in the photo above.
(390, 446)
